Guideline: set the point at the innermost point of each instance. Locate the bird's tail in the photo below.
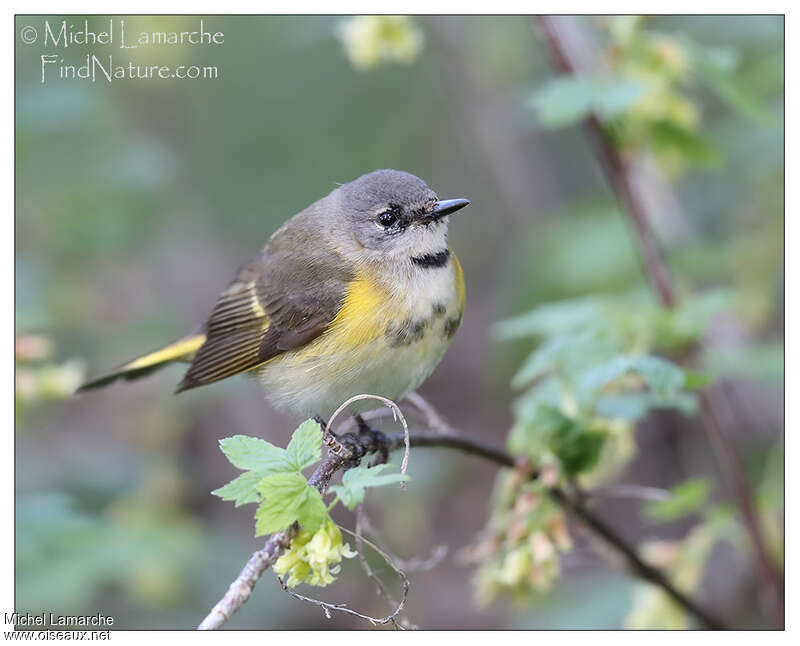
(180, 350)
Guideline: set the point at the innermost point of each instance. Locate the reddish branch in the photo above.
(572, 53)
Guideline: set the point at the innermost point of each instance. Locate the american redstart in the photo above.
(358, 293)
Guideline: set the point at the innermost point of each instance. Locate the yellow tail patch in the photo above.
(182, 349)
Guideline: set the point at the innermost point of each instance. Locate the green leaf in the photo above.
(663, 377)
(566, 354)
(261, 459)
(697, 380)
(627, 406)
(283, 494)
(243, 489)
(531, 435)
(633, 406)
(677, 327)
(564, 101)
(352, 490)
(668, 135)
(305, 447)
(253, 454)
(312, 510)
(577, 446)
(614, 99)
(559, 317)
(567, 100)
(686, 498)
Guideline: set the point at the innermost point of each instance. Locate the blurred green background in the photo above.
(137, 200)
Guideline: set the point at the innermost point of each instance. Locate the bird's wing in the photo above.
(277, 302)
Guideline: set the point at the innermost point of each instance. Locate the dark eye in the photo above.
(387, 218)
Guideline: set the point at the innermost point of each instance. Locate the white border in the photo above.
(499, 6)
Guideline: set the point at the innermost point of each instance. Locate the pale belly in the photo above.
(388, 351)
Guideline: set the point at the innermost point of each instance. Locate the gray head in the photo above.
(394, 214)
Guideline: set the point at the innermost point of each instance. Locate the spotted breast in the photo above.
(390, 333)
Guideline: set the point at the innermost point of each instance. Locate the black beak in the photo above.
(446, 207)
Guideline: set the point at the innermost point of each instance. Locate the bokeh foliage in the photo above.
(136, 202)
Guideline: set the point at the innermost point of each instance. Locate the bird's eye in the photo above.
(387, 218)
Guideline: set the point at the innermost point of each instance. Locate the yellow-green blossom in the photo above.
(313, 558)
(368, 40)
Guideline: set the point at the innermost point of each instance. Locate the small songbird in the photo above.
(357, 293)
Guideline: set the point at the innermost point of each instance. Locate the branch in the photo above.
(572, 52)
(365, 441)
(357, 445)
(240, 590)
(579, 511)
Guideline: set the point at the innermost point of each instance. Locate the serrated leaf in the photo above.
(283, 494)
(243, 489)
(312, 511)
(305, 447)
(253, 454)
(352, 490)
(686, 498)
(663, 377)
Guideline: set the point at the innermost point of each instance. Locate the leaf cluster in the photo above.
(273, 478)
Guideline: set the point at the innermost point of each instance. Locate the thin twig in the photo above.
(361, 517)
(390, 562)
(241, 589)
(569, 55)
(640, 492)
(433, 419)
(239, 592)
(328, 607)
(419, 564)
(413, 564)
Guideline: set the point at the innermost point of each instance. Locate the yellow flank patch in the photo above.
(462, 292)
(178, 350)
(363, 317)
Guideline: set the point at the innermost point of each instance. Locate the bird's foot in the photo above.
(374, 439)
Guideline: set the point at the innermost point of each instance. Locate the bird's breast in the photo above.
(387, 338)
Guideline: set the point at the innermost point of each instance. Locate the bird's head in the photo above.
(393, 214)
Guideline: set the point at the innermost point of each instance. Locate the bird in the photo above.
(357, 293)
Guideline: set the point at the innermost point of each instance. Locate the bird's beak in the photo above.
(446, 207)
